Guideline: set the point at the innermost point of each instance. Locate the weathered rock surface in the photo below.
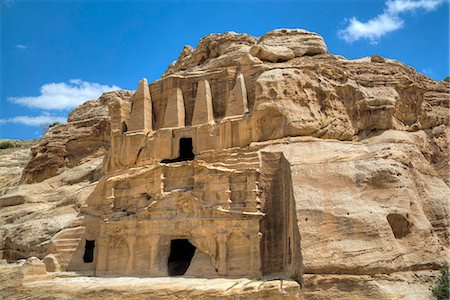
(286, 44)
(28, 280)
(51, 263)
(215, 51)
(399, 285)
(85, 136)
(12, 163)
(32, 215)
(393, 193)
(313, 165)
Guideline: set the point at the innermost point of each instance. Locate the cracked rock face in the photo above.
(64, 146)
(286, 44)
(345, 162)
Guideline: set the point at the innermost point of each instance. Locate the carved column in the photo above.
(255, 254)
(154, 244)
(102, 252)
(131, 240)
(222, 239)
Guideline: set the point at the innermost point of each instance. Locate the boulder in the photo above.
(51, 263)
(285, 44)
(33, 266)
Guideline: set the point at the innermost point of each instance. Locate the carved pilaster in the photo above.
(131, 241)
(222, 239)
(255, 253)
(154, 246)
(102, 252)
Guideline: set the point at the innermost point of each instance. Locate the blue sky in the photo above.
(56, 54)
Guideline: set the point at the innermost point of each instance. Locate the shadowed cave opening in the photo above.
(186, 151)
(88, 256)
(181, 253)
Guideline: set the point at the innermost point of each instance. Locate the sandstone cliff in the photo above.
(64, 146)
(12, 161)
(354, 153)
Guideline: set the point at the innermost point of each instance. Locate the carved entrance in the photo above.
(181, 253)
(88, 256)
(186, 151)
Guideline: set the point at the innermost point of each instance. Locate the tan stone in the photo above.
(148, 288)
(85, 136)
(33, 266)
(174, 114)
(203, 109)
(13, 161)
(237, 101)
(377, 59)
(285, 44)
(141, 109)
(330, 171)
(51, 263)
(214, 51)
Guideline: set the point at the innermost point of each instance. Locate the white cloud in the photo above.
(21, 47)
(63, 95)
(400, 6)
(372, 29)
(36, 120)
(388, 21)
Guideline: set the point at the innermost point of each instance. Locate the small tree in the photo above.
(6, 145)
(53, 124)
(440, 290)
(447, 79)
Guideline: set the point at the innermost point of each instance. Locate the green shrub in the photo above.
(53, 124)
(440, 290)
(6, 145)
(447, 79)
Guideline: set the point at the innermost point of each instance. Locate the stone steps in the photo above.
(67, 241)
(69, 233)
(67, 244)
(77, 222)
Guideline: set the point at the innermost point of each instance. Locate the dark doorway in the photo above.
(88, 256)
(186, 151)
(181, 253)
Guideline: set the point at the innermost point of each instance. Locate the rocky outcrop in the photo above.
(286, 44)
(32, 216)
(64, 146)
(12, 163)
(28, 279)
(215, 51)
(270, 156)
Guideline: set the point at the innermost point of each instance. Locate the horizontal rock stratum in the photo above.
(259, 158)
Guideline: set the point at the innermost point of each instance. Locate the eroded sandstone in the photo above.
(260, 158)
